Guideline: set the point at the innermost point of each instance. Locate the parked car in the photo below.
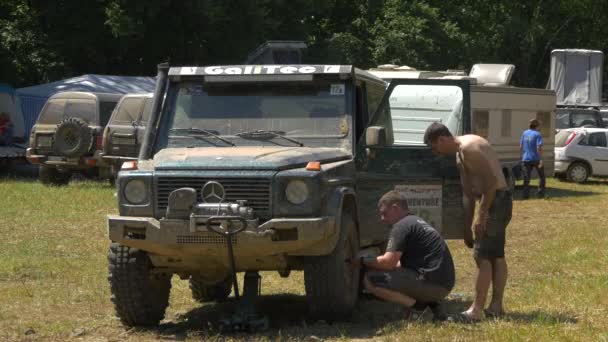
(124, 133)
(577, 117)
(67, 136)
(581, 153)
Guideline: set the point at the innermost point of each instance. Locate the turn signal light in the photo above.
(313, 166)
(129, 165)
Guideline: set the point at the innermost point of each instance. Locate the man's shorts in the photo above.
(408, 282)
(492, 244)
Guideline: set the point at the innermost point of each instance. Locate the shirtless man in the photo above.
(482, 180)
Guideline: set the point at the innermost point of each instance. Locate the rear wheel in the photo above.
(51, 176)
(578, 172)
(202, 291)
(140, 297)
(332, 283)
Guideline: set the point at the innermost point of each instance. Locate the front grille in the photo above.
(256, 191)
(204, 238)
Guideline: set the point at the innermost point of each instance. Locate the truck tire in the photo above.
(139, 296)
(73, 137)
(205, 292)
(332, 283)
(51, 176)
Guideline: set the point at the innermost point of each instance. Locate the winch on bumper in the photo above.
(181, 240)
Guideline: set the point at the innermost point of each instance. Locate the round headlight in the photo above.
(296, 192)
(136, 192)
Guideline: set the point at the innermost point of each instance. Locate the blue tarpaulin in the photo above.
(33, 98)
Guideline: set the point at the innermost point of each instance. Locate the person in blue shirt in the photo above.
(531, 151)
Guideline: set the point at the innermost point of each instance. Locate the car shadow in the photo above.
(553, 192)
(289, 318)
(22, 172)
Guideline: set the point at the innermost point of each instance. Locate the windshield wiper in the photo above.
(263, 134)
(199, 132)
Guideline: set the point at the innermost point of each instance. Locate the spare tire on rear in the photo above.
(73, 137)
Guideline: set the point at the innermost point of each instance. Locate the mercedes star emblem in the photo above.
(213, 192)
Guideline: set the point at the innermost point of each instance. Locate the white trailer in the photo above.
(499, 112)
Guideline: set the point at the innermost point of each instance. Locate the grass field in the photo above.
(53, 277)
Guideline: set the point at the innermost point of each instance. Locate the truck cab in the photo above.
(299, 153)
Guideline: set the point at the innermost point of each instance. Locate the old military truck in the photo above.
(301, 153)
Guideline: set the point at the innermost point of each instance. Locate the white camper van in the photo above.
(500, 112)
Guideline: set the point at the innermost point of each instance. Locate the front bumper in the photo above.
(183, 245)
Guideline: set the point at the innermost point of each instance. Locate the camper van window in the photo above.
(105, 111)
(545, 123)
(147, 110)
(414, 107)
(505, 127)
(128, 111)
(52, 111)
(84, 109)
(481, 123)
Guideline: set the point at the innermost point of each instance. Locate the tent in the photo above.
(576, 76)
(8, 105)
(32, 99)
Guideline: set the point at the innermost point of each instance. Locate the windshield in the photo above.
(301, 111)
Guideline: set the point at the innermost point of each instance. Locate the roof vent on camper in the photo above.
(278, 52)
(492, 74)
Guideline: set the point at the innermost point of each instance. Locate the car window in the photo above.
(584, 119)
(147, 110)
(129, 110)
(52, 112)
(84, 109)
(562, 137)
(597, 139)
(562, 120)
(105, 111)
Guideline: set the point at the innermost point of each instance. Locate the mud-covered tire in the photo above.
(73, 137)
(332, 283)
(51, 176)
(205, 292)
(140, 298)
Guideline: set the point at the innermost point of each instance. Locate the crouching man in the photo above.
(416, 270)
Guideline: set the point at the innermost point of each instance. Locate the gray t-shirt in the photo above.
(423, 250)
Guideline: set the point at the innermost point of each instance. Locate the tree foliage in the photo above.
(43, 41)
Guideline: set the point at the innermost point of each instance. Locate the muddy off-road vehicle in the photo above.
(124, 133)
(67, 137)
(300, 153)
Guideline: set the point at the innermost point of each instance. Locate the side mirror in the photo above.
(375, 136)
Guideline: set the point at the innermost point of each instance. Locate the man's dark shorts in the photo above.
(492, 244)
(408, 282)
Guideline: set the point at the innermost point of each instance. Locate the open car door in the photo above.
(395, 157)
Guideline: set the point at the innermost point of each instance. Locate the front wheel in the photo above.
(332, 283)
(140, 297)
